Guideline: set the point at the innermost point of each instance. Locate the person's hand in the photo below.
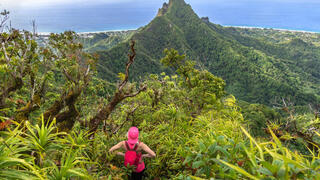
(141, 159)
(145, 155)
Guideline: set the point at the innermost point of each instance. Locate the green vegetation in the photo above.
(58, 118)
(187, 118)
(257, 67)
(277, 36)
(104, 40)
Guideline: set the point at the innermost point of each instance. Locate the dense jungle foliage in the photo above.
(105, 40)
(58, 118)
(257, 66)
(195, 128)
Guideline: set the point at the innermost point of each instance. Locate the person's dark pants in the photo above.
(136, 176)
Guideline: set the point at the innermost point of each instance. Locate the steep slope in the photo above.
(252, 73)
(299, 52)
(103, 40)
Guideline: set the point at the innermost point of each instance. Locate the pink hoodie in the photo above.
(141, 165)
(133, 138)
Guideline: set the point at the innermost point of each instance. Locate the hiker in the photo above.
(133, 155)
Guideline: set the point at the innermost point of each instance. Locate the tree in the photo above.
(30, 73)
(203, 87)
(123, 91)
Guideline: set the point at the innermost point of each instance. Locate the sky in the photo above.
(44, 3)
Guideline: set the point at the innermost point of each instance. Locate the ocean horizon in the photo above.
(245, 27)
(294, 16)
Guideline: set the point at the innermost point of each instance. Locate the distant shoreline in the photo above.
(276, 29)
(91, 32)
(243, 27)
(106, 31)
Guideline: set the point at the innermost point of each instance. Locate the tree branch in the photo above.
(136, 93)
(68, 76)
(131, 58)
(127, 119)
(87, 71)
(18, 83)
(119, 95)
(65, 100)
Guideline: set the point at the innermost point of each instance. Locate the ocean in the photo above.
(278, 14)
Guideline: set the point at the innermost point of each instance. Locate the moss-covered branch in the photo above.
(118, 96)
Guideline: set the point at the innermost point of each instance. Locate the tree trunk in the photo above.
(68, 100)
(105, 112)
(18, 83)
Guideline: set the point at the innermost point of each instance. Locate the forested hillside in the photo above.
(256, 68)
(58, 120)
(103, 40)
(62, 107)
(276, 35)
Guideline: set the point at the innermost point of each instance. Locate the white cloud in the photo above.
(41, 3)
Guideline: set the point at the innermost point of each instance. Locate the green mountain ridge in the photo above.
(255, 70)
(104, 40)
(58, 120)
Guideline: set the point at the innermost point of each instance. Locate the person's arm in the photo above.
(147, 155)
(149, 152)
(120, 153)
(115, 147)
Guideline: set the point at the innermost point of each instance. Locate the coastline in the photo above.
(106, 31)
(92, 32)
(275, 29)
(227, 26)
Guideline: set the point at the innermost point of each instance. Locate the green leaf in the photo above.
(198, 164)
(265, 171)
(252, 139)
(226, 153)
(196, 178)
(77, 173)
(187, 160)
(240, 170)
(202, 147)
(212, 148)
(269, 166)
(277, 141)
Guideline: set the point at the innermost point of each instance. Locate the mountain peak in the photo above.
(205, 19)
(177, 1)
(163, 10)
(165, 7)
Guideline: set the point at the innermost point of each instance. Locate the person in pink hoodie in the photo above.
(133, 144)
